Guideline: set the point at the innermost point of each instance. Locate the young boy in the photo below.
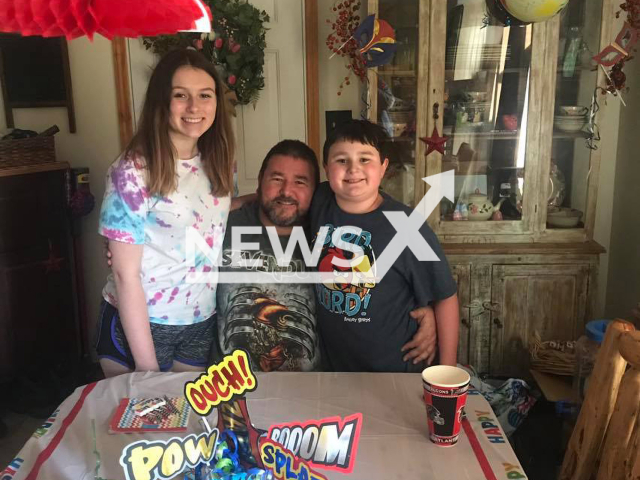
(364, 322)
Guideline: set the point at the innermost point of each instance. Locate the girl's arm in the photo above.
(132, 303)
(448, 321)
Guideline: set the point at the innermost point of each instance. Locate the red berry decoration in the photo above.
(341, 42)
(218, 43)
(232, 80)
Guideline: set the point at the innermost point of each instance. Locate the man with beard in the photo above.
(276, 322)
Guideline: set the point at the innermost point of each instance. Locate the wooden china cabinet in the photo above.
(498, 93)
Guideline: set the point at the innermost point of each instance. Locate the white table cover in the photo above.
(393, 444)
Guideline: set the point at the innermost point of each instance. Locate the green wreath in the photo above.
(236, 46)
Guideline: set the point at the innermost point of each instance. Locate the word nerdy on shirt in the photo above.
(222, 381)
(330, 443)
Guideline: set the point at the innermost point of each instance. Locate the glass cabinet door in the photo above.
(576, 80)
(393, 103)
(487, 73)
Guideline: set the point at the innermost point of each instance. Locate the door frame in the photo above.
(123, 87)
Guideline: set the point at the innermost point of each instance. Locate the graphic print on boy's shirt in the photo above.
(347, 289)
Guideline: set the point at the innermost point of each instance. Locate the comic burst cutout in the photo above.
(377, 41)
(109, 18)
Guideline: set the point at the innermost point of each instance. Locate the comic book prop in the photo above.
(236, 449)
(330, 443)
(163, 459)
(222, 382)
(109, 18)
(149, 415)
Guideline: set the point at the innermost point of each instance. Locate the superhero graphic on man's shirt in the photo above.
(276, 333)
(275, 323)
(347, 289)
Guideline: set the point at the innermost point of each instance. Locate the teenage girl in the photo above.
(176, 174)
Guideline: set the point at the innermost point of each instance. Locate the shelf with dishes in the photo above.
(570, 119)
(505, 134)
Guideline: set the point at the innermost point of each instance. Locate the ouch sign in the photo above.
(221, 382)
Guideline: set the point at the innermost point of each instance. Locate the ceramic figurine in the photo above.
(464, 211)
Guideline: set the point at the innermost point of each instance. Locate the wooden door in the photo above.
(548, 299)
(462, 277)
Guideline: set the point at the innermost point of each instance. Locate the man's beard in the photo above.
(271, 210)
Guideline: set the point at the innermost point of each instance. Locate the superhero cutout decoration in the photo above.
(109, 18)
(237, 450)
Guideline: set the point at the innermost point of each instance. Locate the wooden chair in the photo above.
(606, 437)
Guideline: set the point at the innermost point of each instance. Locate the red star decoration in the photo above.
(53, 263)
(435, 142)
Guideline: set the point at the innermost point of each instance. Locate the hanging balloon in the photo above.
(530, 11)
(497, 10)
(377, 41)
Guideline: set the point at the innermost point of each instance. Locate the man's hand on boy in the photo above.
(422, 346)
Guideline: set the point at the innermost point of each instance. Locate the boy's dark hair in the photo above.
(361, 131)
(296, 149)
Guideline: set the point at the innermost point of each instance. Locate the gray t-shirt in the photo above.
(364, 325)
(275, 323)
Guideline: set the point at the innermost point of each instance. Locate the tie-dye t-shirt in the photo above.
(130, 215)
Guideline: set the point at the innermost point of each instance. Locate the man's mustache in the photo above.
(282, 198)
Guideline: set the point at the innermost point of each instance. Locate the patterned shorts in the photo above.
(188, 344)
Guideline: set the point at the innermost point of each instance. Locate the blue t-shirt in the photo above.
(365, 323)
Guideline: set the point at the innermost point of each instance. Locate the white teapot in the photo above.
(480, 208)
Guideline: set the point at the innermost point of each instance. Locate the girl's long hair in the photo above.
(152, 140)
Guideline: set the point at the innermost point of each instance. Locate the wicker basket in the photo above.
(552, 356)
(27, 151)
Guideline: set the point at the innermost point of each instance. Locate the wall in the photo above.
(623, 288)
(332, 71)
(609, 132)
(95, 143)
